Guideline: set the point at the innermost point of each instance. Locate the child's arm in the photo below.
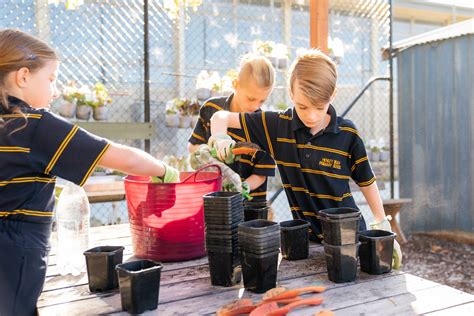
(222, 120)
(255, 181)
(132, 161)
(193, 147)
(372, 195)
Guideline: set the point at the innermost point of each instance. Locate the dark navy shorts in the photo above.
(24, 251)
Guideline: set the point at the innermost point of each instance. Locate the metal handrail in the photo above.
(367, 86)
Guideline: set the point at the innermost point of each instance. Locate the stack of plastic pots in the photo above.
(259, 243)
(255, 209)
(340, 226)
(295, 239)
(223, 212)
(376, 251)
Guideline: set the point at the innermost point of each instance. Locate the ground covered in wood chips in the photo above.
(440, 260)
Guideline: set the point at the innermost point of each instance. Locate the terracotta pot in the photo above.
(67, 109)
(172, 120)
(185, 121)
(101, 113)
(194, 120)
(203, 94)
(83, 112)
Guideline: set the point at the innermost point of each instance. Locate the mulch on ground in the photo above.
(440, 260)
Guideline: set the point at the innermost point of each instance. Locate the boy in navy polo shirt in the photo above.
(316, 151)
(251, 88)
(35, 147)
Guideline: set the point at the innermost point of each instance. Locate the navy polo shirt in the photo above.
(35, 147)
(315, 169)
(261, 163)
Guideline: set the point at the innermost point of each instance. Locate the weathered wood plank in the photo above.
(195, 274)
(463, 309)
(197, 303)
(436, 299)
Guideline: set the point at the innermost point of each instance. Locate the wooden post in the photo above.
(318, 23)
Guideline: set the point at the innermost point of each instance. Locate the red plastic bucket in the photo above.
(167, 219)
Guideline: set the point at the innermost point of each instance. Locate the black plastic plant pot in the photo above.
(258, 227)
(341, 262)
(254, 203)
(294, 239)
(139, 283)
(340, 212)
(251, 213)
(101, 262)
(259, 271)
(340, 231)
(222, 198)
(376, 251)
(224, 268)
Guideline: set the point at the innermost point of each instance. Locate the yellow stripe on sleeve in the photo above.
(199, 137)
(367, 183)
(267, 134)
(244, 125)
(213, 105)
(241, 139)
(60, 150)
(96, 161)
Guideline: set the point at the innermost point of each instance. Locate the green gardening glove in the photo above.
(397, 251)
(221, 147)
(171, 176)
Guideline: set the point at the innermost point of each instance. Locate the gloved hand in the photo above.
(244, 189)
(222, 144)
(171, 176)
(397, 251)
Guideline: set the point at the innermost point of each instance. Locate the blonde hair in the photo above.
(18, 50)
(258, 68)
(316, 75)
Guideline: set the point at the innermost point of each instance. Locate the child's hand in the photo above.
(222, 143)
(171, 176)
(397, 251)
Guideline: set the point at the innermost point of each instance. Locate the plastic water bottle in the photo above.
(73, 222)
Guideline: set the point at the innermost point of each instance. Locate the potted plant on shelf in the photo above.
(266, 48)
(384, 153)
(375, 153)
(280, 53)
(184, 115)
(100, 101)
(203, 88)
(171, 116)
(68, 108)
(83, 98)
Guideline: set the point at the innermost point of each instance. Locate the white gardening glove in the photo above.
(222, 144)
(397, 251)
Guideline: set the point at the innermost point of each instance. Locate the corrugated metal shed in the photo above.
(436, 128)
(443, 33)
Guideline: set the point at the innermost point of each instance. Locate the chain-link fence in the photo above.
(103, 41)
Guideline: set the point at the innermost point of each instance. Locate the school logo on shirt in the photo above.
(330, 163)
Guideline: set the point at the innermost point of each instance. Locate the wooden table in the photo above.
(101, 189)
(186, 288)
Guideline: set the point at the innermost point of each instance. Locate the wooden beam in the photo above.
(318, 21)
(120, 130)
